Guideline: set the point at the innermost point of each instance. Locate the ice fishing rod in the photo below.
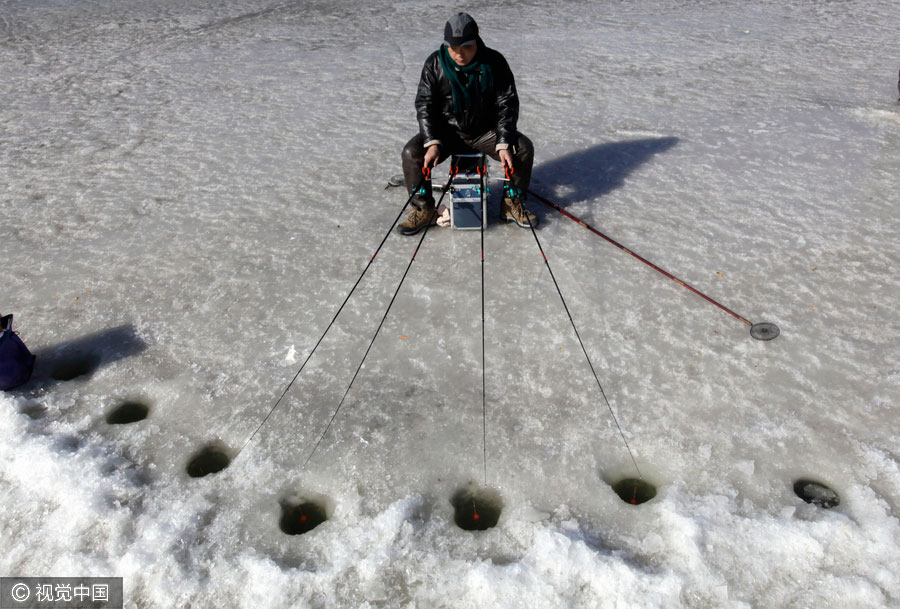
(425, 177)
(509, 187)
(384, 317)
(759, 331)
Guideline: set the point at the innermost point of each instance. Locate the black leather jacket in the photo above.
(498, 108)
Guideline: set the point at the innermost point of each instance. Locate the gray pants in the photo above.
(414, 156)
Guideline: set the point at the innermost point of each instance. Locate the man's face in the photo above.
(463, 56)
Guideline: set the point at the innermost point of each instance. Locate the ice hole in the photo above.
(816, 493)
(34, 411)
(210, 460)
(74, 366)
(300, 518)
(476, 509)
(128, 412)
(634, 490)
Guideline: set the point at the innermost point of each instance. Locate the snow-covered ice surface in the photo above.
(190, 189)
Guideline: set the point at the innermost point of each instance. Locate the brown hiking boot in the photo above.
(512, 210)
(417, 219)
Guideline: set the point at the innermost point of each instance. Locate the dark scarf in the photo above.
(467, 83)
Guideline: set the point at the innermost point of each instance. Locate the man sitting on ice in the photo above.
(466, 101)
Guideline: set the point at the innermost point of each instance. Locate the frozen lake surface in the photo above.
(189, 191)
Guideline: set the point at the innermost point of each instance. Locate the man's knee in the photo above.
(524, 149)
(414, 150)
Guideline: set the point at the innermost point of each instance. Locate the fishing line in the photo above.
(425, 177)
(384, 317)
(581, 342)
(481, 172)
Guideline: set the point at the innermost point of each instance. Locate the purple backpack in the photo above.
(16, 361)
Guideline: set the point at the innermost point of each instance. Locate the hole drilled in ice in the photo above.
(300, 518)
(634, 490)
(34, 411)
(128, 412)
(210, 460)
(476, 509)
(74, 366)
(816, 493)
